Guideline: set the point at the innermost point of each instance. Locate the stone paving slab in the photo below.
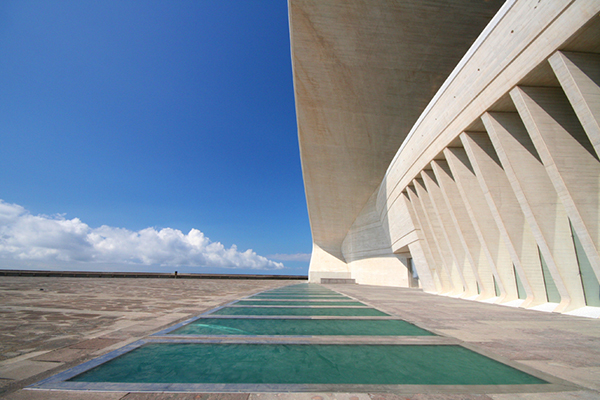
(94, 344)
(563, 346)
(579, 395)
(186, 396)
(309, 396)
(447, 397)
(60, 395)
(24, 369)
(49, 324)
(61, 355)
(586, 377)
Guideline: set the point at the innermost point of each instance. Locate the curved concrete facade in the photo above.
(459, 139)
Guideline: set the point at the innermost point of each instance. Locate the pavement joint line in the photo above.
(308, 300)
(314, 339)
(284, 306)
(324, 317)
(263, 291)
(73, 311)
(301, 316)
(305, 388)
(23, 357)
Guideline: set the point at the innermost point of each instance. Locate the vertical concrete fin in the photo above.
(464, 229)
(579, 76)
(539, 201)
(452, 245)
(431, 252)
(420, 262)
(569, 159)
(507, 213)
(416, 247)
(437, 234)
(481, 218)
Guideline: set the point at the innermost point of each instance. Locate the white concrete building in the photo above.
(459, 139)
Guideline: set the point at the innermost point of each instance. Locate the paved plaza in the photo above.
(48, 325)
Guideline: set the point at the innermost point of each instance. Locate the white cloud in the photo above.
(290, 257)
(24, 237)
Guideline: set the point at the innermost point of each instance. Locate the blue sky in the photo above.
(141, 135)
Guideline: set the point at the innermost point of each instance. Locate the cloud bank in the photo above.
(25, 237)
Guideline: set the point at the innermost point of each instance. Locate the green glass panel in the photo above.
(551, 290)
(520, 288)
(299, 294)
(353, 327)
(305, 285)
(292, 288)
(301, 297)
(308, 311)
(591, 288)
(301, 291)
(276, 295)
(306, 364)
(297, 303)
(496, 288)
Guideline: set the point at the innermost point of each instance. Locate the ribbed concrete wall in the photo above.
(495, 192)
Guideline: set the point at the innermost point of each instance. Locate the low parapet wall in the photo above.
(159, 275)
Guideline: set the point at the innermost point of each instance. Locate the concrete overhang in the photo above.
(363, 73)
